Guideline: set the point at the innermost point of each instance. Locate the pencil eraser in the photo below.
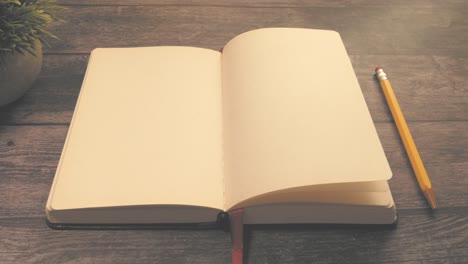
(378, 68)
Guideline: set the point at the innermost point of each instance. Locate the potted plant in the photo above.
(22, 30)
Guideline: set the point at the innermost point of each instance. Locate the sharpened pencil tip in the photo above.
(430, 197)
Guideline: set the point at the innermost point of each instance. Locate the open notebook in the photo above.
(275, 124)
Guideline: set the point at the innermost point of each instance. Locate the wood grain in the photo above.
(29, 240)
(266, 3)
(29, 156)
(394, 29)
(412, 240)
(50, 101)
(429, 88)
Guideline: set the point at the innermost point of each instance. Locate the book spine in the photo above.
(223, 221)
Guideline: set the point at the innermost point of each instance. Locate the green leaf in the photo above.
(23, 22)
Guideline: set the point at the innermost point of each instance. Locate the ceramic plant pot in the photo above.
(17, 74)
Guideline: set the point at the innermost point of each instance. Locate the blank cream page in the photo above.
(147, 130)
(294, 114)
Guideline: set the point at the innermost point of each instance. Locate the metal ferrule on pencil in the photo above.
(381, 75)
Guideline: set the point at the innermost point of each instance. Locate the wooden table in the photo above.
(423, 47)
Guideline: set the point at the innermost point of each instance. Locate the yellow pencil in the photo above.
(405, 134)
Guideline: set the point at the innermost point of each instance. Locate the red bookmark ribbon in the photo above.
(237, 235)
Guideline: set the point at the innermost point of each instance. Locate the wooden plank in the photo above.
(60, 64)
(412, 240)
(267, 3)
(365, 29)
(427, 87)
(442, 146)
(29, 240)
(29, 156)
(51, 100)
